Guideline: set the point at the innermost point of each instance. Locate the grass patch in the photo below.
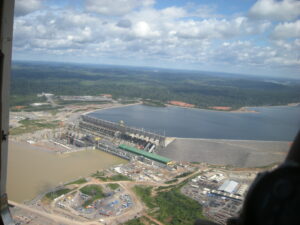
(171, 181)
(79, 181)
(54, 194)
(74, 102)
(25, 100)
(184, 174)
(145, 194)
(136, 221)
(153, 103)
(29, 126)
(176, 208)
(113, 186)
(118, 177)
(79, 110)
(165, 187)
(127, 101)
(41, 108)
(54, 112)
(94, 191)
(140, 221)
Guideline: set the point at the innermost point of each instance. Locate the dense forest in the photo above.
(200, 88)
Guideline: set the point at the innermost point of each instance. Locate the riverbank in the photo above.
(112, 107)
(247, 110)
(244, 109)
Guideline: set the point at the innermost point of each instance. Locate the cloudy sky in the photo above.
(241, 36)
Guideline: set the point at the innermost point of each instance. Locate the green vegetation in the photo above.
(137, 221)
(174, 207)
(153, 103)
(53, 195)
(37, 108)
(25, 99)
(200, 88)
(79, 181)
(165, 187)
(113, 186)
(60, 102)
(118, 177)
(41, 108)
(29, 126)
(171, 181)
(177, 208)
(125, 102)
(140, 221)
(98, 174)
(94, 191)
(145, 194)
(184, 174)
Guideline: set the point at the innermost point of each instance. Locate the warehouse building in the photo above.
(147, 155)
(229, 186)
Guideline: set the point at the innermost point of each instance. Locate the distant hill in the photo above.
(203, 89)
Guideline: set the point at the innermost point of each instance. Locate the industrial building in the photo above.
(147, 155)
(229, 186)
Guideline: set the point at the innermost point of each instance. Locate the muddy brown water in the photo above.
(32, 171)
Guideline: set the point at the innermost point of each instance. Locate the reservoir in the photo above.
(32, 171)
(277, 123)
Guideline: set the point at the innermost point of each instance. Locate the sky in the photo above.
(236, 36)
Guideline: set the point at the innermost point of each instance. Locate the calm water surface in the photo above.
(279, 123)
(32, 171)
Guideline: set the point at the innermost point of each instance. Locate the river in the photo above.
(32, 171)
(276, 123)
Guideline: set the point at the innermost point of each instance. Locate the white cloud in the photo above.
(116, 7)
(219, 28)
(276, 10)
(287, 30)
(173, 12)
(142, 29)
(169, 36)
(23, 7)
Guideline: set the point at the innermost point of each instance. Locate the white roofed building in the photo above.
(229, 186)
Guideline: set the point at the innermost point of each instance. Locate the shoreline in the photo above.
(111, 107)
(294, 104)
(243, 109)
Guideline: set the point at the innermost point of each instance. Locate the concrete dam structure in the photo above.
(120, 130)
